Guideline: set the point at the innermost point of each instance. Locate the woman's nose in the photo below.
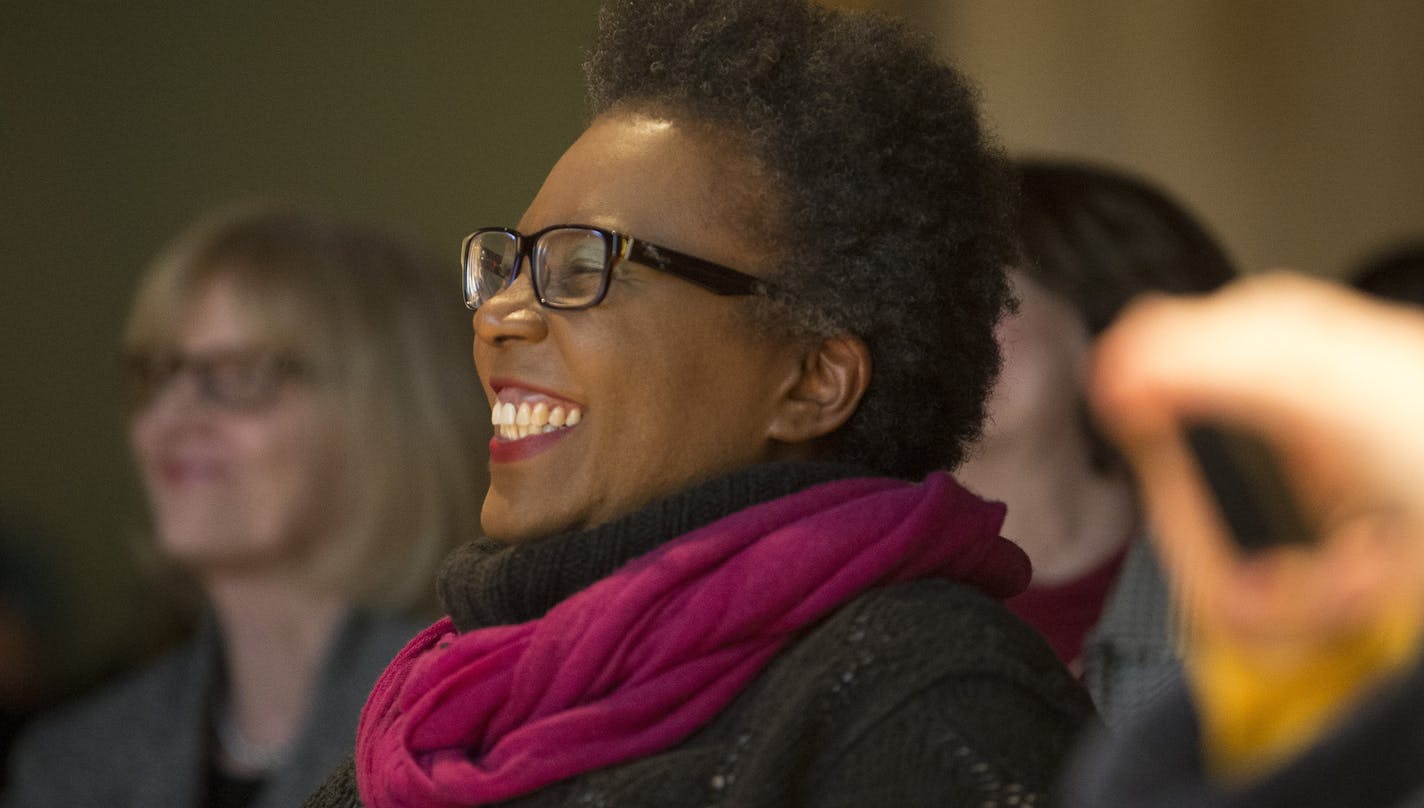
(512, 314)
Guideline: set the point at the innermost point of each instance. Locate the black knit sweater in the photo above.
(925, 693)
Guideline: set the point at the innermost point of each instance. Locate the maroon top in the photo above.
(1065, 612)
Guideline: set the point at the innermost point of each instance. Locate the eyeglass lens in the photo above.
(489, 265)
(569, 266)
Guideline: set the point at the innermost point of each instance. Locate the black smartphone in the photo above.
(1252, 492)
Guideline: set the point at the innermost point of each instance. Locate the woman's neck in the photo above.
(275, 638)
(483, 583)
(1067, 515)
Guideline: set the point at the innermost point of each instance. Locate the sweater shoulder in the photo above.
(938, 628)
(930, 687)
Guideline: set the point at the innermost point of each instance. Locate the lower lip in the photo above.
(508, 451)
(186, 473)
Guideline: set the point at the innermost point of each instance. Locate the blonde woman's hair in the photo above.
(387, 343)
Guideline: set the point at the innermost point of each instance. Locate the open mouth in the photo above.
(518, 414)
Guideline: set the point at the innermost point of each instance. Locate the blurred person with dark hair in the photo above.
(1396, 273)
(1304, 683)
(302, 416)
(729, 347)
(1092, 238)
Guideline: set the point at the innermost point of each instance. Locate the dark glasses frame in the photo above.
(713, 277)
(238, 380)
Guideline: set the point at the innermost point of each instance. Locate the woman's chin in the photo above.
(510, 522)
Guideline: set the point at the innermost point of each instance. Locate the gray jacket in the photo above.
(142, 741)
(1130, 657)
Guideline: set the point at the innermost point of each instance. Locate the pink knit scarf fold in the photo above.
(638, 661)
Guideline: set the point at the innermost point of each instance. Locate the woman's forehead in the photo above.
(226, 307)
(628, 166)
(652, 177)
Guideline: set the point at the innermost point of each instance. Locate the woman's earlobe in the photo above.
(832, 379)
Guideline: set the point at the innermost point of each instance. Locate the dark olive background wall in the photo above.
(121, 122)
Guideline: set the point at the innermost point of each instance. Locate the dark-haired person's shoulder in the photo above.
(339, 790)
(928, 692)
(937, 636)
(955, 629)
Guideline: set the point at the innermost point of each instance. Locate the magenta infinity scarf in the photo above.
(635, 663)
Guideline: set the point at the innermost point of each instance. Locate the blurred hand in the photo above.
(1335, 382)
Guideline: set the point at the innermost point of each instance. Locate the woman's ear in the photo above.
(826, 391)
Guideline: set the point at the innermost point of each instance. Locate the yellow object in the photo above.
(1260, 706)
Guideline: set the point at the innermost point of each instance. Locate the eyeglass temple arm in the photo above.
(711, 276)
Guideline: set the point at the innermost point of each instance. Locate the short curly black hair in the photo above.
(890, 203)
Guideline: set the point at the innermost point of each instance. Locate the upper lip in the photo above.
(521, 389)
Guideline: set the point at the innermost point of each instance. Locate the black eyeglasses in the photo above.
(237, 380)
(571, 265)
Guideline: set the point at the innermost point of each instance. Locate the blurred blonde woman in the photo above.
(303, 422)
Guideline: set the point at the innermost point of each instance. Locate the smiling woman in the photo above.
(305, 425)
(726, 348)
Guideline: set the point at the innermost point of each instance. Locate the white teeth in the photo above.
(513, 422)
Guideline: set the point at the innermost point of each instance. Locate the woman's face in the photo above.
(671, 383)
(232, 489)
(1045, 348)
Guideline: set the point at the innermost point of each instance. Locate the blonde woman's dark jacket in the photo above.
(143, 740)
